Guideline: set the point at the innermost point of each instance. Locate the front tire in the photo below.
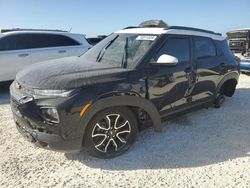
(111, 132)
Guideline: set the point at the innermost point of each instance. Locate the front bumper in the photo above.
(44, 140)
(43, 134)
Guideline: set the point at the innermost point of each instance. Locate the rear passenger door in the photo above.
(207, 64)
(14, 55)
(49, 46)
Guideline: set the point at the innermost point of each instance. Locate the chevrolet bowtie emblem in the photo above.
(17, 85)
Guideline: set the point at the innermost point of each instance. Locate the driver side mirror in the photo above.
(166, 60)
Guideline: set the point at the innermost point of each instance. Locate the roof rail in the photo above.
(20, 29)
(131, 27)
(194, 29)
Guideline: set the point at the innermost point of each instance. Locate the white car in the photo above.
(20, 48)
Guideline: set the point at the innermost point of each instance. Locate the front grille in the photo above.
(14, 102)
(14, 105)
(20, 118)
(25, 132)
(29, 120)
(236, 43)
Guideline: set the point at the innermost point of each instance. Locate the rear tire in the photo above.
(111, 132)
(219, 101)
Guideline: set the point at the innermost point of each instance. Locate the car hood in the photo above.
(67, 73)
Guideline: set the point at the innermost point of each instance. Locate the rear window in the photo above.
(204, 48)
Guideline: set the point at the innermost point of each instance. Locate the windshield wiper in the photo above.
(125, 54)
(102, 51)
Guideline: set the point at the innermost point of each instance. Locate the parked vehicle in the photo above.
(239, 40)
(245, 66)
(137, 75)
(20, 48)
(94, 40)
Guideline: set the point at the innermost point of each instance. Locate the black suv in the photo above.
(134, 76)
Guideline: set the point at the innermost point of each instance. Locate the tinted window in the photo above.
(13, 42)
(93, 41)
(177, 47)
(49, 40)
(203, 48)
(225, 48)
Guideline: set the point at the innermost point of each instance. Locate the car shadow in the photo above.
(4, 93)
(204, 137)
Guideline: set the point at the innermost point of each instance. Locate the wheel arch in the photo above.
(231, 80)
(129, 101)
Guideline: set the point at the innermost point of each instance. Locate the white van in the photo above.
(20, 48)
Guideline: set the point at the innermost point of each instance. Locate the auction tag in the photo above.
(146, 37)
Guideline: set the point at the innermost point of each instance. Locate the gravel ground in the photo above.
(206, 148)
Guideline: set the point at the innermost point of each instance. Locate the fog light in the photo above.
(50, 114)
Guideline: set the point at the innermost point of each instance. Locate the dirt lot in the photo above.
(206, 148)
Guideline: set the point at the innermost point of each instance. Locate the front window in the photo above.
(122, 50)
(177, 47)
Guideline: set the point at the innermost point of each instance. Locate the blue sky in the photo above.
(103, 17)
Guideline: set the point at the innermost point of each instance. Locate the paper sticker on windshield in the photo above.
(146, 37)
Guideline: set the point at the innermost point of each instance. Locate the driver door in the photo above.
(169, 86)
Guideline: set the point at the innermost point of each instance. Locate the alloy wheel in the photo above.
(111, 133)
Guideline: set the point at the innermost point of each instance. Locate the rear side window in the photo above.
(28, 41)
(204, 48)
(93, 41)
(224, 48)
(13, 42)
(49, 40)
(177, 47)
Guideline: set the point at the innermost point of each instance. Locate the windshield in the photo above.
(123, 50)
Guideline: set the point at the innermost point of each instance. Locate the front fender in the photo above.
(112, 101)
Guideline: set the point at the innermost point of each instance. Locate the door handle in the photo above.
(61, 51)
(23, 55)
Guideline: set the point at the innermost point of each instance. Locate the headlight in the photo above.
(50, 114)
(54, 93)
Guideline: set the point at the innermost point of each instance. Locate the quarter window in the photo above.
(177, 47)
(204, 48)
